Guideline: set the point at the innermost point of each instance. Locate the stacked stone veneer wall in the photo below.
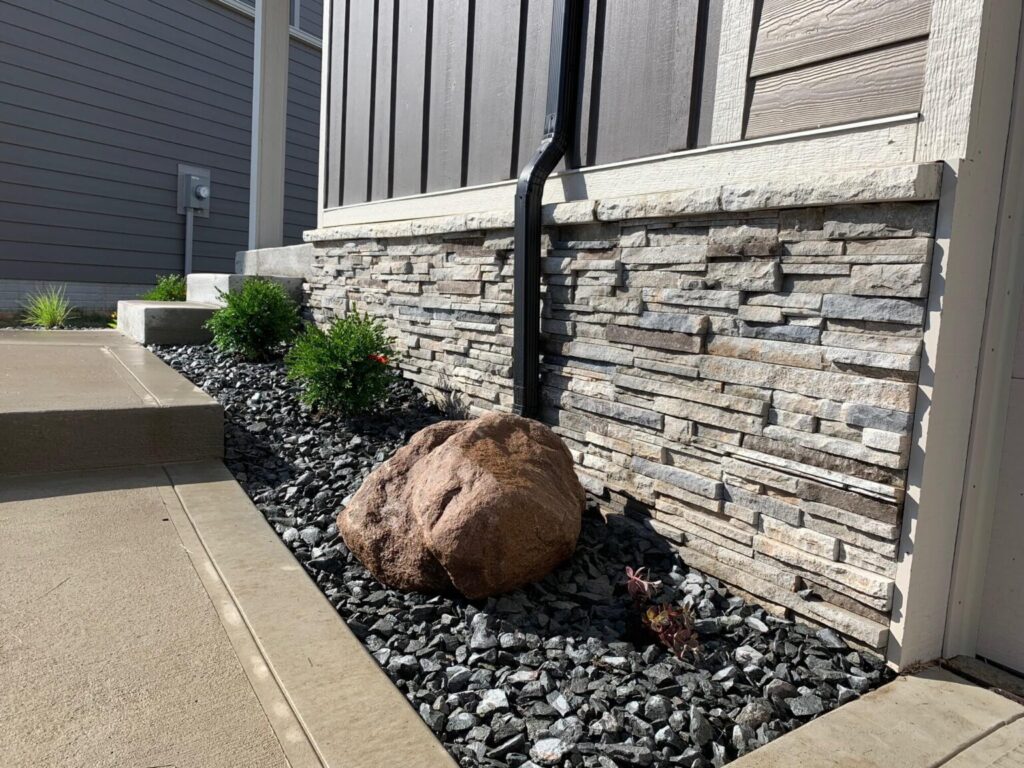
(745, 381)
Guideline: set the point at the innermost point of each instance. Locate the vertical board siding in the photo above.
(447, 94)
(337, 103)
(381, 148)
(536, 52)
(646, 78)
(358, 101)
(709, 73)
(411, 56)
(431, 95)
(493, 90)
(100, 102)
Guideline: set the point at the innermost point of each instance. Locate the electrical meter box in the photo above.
(194, 190)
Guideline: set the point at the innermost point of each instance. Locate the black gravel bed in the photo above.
(559, 673)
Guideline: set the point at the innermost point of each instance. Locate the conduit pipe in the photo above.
(559, 127)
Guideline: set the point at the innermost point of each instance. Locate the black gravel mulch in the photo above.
(555, 674)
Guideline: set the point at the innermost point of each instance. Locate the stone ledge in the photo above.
(896, 183)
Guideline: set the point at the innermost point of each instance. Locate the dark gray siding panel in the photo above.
(303, 136)
(455, 90)
(646, 73)
(412, 58)
(311, 16)
(99, 102)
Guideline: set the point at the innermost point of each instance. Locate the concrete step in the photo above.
(286, 260)
(165, 322)
(93, 399)
(210, 287)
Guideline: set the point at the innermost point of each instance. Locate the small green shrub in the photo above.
(167, 288)
(345, 369)
(49, 308)
(255, 321)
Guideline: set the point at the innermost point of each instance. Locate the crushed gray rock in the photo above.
(559, 673)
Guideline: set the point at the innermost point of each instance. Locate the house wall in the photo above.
(735, 365)
(99, 103)
(450, 94)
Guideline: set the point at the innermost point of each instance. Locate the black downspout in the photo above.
(563, 79)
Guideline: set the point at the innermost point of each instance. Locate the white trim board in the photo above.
(964, 246)
(868, 144)
(985, 458)
(297, 34)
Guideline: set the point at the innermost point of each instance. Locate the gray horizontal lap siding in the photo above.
(99, 102)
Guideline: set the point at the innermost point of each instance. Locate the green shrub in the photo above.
(167, 288)
(255, 321)
(345, 369)
(49, 308)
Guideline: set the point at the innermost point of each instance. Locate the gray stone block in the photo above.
(286, 261)
(903, 311)
(210, 287)
(681, 478)
(165, 322)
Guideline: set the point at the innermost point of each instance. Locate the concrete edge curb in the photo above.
(350, 710)
(295, 744)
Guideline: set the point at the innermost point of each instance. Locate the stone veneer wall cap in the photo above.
(896, 183)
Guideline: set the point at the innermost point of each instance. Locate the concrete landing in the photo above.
(930, 719)
(90, 399)
(210, 287)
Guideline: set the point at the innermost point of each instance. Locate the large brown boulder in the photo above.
(481, 506)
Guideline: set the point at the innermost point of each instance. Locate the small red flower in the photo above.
(382, 359)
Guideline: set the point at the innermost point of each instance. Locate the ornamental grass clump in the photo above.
(167, 288)
(49, 308)
(255, 321)
(345, 369)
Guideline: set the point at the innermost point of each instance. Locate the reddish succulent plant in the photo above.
(639, 588)
(674, 627)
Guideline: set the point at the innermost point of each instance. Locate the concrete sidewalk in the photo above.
(149, 615)
(930, 719)
(111, 650)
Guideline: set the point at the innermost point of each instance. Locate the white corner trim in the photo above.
(954, 74)
(985, 454)
(865, 144)
(965, 242)
(325, 99)
(733, 66)
(297, 34)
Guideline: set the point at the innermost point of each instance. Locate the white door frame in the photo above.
(988, 428)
